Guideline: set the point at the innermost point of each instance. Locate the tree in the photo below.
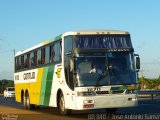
(148, 83)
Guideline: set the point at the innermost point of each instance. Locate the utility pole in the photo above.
(1, 80)
(14, 52)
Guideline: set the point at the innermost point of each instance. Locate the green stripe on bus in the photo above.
(48, 85)
(43, 85)
(119, 88)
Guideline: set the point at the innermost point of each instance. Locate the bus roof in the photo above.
(39, 45)
(79, 32)
(96, 32)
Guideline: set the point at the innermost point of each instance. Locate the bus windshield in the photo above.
(121, 68)
(113, 69)
(103, 41)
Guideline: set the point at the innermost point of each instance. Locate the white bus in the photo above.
(79, 70)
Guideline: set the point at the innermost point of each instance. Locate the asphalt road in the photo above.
(147, 109)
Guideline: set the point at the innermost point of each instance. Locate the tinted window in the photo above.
(16, 63)
(43, 56)
(103, 41)
(52, 53)
(32, 62)
(22, 62)
(68, 44)
(47, 54)
(26, 60)
(19, 63)
(35, 58)
(57, 49)
(39, 57)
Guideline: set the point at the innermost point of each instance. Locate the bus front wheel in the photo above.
(61, 106)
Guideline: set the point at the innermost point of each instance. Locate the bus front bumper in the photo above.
(109, 101)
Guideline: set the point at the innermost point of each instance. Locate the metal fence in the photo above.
(149, 92)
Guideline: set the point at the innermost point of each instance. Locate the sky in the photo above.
(26, 23)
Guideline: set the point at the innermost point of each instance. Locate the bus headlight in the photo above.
(86, 93)
(131, 91)
(132, 99)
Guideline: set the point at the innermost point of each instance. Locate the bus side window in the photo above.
(16, 63)
(31, 61)
(39, 57)
(25, 61)
(57, 55)
(35, 58)
(52, 53)
(28, 60)
(19, 63)
(22, 61)
(47, 54)
(43, 56)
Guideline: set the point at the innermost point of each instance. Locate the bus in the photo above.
(61, 72)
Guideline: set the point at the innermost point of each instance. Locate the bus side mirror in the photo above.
(138, 63)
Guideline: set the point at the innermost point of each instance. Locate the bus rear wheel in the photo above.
(26, 102)
(61, 106)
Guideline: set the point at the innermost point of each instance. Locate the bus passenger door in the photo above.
(69, 71)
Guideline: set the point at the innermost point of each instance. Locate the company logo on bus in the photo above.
(59, 72)
(94, 89)
(29, 75)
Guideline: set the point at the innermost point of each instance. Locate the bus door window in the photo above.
(69, 71)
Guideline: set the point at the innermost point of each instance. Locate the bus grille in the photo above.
(117, 91)
(110, 92)
(102, 92)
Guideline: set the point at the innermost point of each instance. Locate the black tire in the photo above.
(61, 105)
(26, 102)
(36, 107)
(111, 110)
